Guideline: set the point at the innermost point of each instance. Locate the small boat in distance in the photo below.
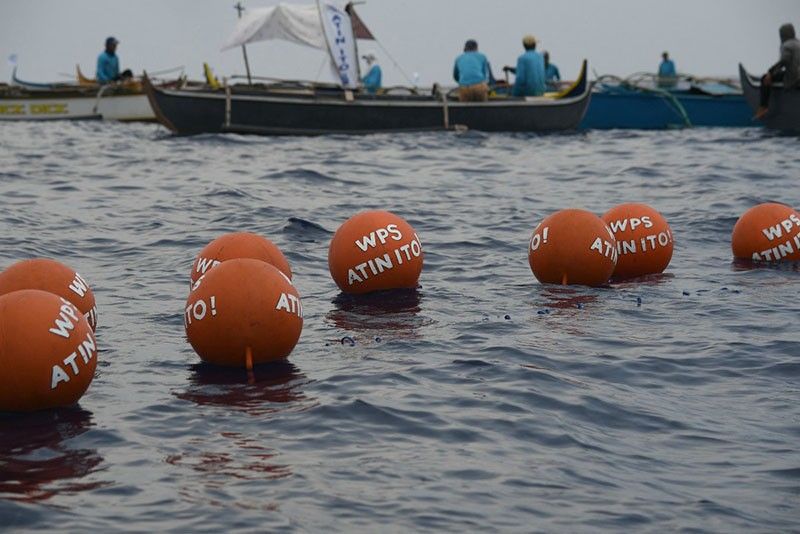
(784, 105)
(286, 107)
(24, 100)
(638, 102)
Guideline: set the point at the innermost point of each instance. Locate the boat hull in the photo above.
(304, 111)
(195, 112)
(784, 105)
(20, 104)
(651, 111)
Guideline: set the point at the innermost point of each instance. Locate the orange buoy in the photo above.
(48, 352)
(767, 232)
(572, 247)
(239, 245)
(243, 312)
(53, 277)
(375, 250)
(644, 240)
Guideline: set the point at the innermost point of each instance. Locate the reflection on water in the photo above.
(35, 461)
(267, 389)
(394, 313)
(739, 264)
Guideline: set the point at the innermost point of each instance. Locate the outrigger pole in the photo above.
(239, 8)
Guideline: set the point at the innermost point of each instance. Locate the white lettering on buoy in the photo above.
(79, 286)
(380, 264)
(199, 309)
(381, 234)
(58, 376)
(605, 248)
(204, 264)
(539, 239)
(86, 349)
(290, 304)
(65, 322)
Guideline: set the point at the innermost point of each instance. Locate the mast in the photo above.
(239, 8)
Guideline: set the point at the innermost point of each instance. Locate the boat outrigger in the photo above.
(276, 107)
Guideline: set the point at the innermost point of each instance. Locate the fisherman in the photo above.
(472, 72)
(551, 74)
(667, 75)
(372, 80)
(786, 70)
(530, 73)
(108, 64)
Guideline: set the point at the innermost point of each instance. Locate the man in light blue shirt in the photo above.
(530, 75)
(372, 80)
(551, 74)
(108, 63)
(472, 72)
(667, 75)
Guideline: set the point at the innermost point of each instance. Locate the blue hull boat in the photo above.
(618, 106)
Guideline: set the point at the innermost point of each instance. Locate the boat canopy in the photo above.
(299, 24)
(320, 25)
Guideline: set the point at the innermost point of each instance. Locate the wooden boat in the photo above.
(632, 104)
(287, 108)
(24, 100)
(74, 103)
(281, 107)
(784, 105)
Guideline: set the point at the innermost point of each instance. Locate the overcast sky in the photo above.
(705, 37)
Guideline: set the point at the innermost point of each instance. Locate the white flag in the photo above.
(341, 44)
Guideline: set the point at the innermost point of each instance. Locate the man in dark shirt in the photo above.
(786, 70)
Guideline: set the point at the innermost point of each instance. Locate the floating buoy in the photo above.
(767, 232)
(48, 352)
(375, 250)
(239, 245)
(53, 277)
(572, 247)
(243, 312)
(644, 240)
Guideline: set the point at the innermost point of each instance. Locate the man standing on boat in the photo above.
(667, 74)
(372, 80)
(530, 73)
(551, 74)
(108, 64)
(472, 72)
(786, 70)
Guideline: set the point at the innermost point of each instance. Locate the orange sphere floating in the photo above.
(373, 251)
(243, 312)
(48, 352)
(767, 232)
(572, 247)
(239, 245)
(644, 240)
(53, 277)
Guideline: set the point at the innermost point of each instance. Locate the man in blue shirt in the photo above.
(472, 72)
(530, 76)
(667, 75)
(372, 80)
(108, 64)
(551, 74)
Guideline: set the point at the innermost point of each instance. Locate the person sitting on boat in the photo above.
(472, 72)
(551, 74)
(108, 64)
(667, 74)
(530, 73)
(372, 80)
(786, 70)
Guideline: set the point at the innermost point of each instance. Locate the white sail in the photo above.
(322, 25)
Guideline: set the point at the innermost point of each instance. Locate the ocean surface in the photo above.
(484, 401)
